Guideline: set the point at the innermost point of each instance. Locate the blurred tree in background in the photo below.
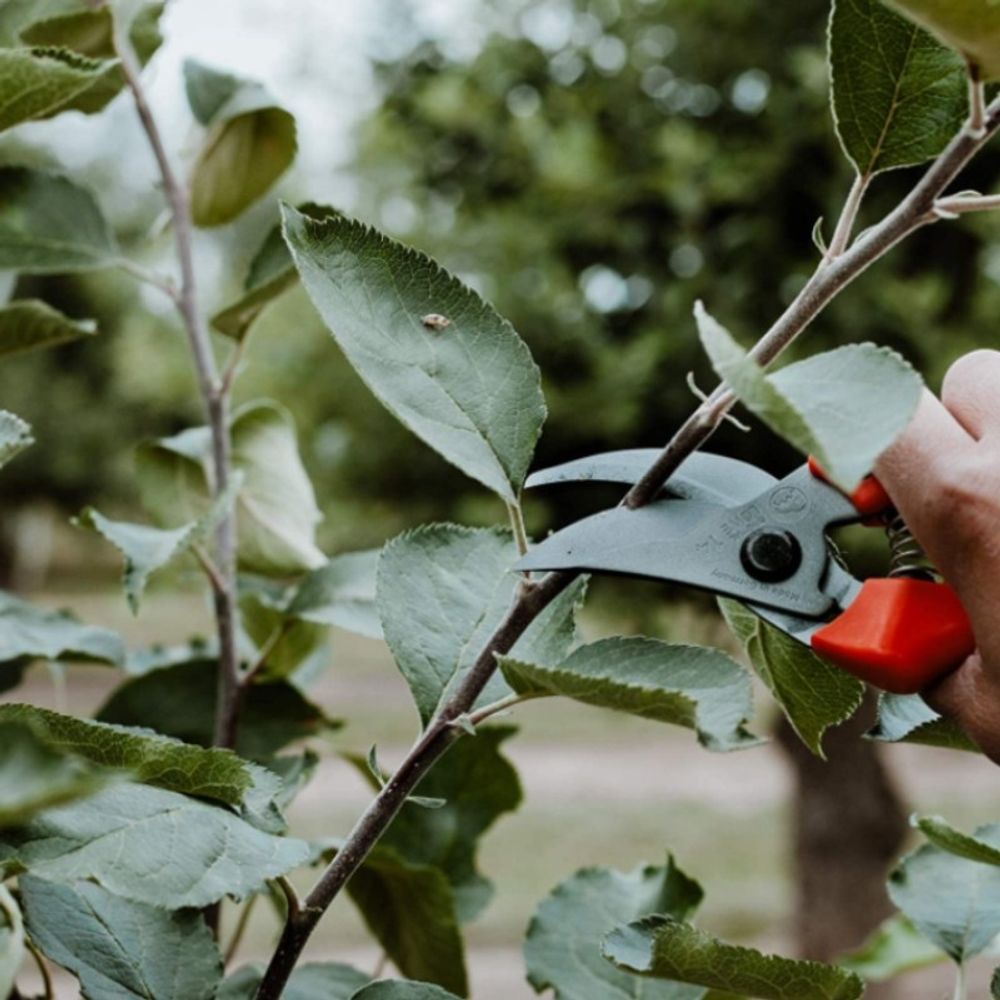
(605, 163)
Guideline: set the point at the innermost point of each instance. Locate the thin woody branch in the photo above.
(213, 391)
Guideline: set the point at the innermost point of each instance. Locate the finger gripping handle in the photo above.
(869, 496)
(899, 634)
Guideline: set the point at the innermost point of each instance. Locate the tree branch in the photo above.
(832, 276)
(214, 394)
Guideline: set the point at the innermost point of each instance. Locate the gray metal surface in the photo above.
(702, 476)
(697, 542)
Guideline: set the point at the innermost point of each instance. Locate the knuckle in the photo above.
(967, 371)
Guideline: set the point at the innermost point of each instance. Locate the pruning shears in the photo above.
(729, 527)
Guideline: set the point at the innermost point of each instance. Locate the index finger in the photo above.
(915, 467)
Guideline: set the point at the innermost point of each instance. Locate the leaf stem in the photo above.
(961, 983)
(516, 516)
(291, 897)
(232, 366)
(848, 217)
(208, 566)
(214, 394)
(47, 985)
(500, 705)
(977, 102)
(137, 271)
(239, 930)
(833, 275)
(277, 634)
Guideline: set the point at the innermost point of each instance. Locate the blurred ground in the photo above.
(599, 789)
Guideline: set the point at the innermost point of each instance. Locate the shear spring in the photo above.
(906, 557)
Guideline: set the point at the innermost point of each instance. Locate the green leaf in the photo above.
(11, 941)
(844, 407)
(155, 760)
(952, 901)
(693, 686)
(271, 273)
(813, 694)
(37, 82)
(276, 508)
(179, 701)
(441, 591)
(147, 549)
(410, 910)
(895, 947)
(250, 143)
(398, 989)
(119, 949)
(666, 948)
(283, 643)
(151, 846)
(15, 436)
(34, 775)
(476, 785)
(972, 27)
(49, 224)
(143, 660)
(89, 33)
(29, 324)
(562, 949)
(28, 631)
(341, 593)
(294, 772)
(899, 96)
(469, 389)
(329, 980)
(907, 718)
(982, 846)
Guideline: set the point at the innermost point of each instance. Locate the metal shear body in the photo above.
(731, 528)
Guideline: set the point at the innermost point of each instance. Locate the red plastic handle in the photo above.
(899, 634)
(870, 497)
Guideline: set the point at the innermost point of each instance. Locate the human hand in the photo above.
(943, 475)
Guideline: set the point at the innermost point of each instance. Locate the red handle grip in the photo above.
(869, 497)
(899, 634)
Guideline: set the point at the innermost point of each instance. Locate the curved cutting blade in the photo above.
(702, 476)
(700, 544)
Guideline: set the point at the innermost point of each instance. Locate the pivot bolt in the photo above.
(771, 556)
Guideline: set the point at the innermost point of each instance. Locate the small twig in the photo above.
(214, 394)
(43, 969)
(162, 282)
(703, 397)
(848, 217)
(960, 204)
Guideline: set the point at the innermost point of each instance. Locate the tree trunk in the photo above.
(849, 823)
